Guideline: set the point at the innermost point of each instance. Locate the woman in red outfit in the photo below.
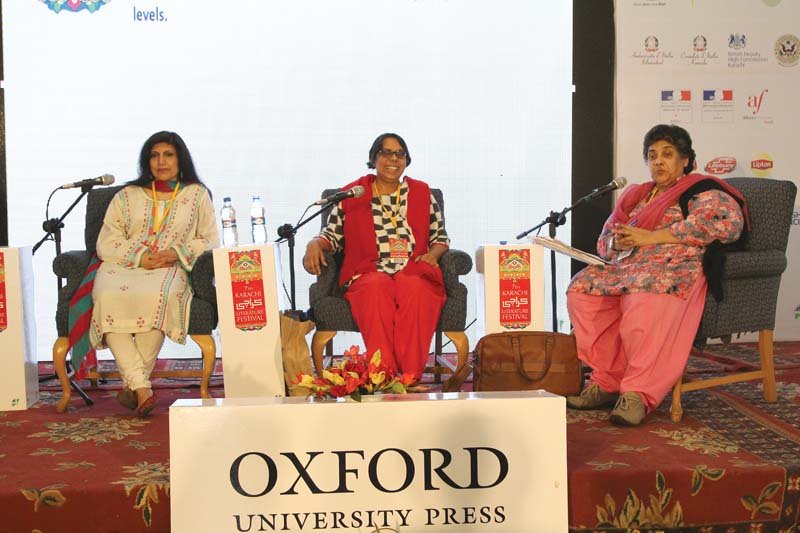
(392, 238)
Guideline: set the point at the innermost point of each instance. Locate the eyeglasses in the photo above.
(401, 154)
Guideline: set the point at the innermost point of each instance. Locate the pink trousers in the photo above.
(398, 314)
(636, 342)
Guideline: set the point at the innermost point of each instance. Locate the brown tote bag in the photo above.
(527, 360)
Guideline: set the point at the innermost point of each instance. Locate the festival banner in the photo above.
(729, 78)
(247, 287)
(515, 288)
(3, 310)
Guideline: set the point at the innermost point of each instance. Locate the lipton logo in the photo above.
(75, 5)
(721, 165)
(762, 165)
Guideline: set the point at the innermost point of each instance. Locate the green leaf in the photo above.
(769, 491)
(697, 482)
(714, 474)
(140, 496)
(768, 508)
(660, 482)
(356, 395)
(147, 516)
(749, 502)
(665, 497)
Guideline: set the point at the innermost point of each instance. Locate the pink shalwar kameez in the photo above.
(635, 320)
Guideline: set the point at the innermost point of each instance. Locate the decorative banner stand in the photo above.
(510, 288)
(453, 462)
(248, 294)
(19, 380)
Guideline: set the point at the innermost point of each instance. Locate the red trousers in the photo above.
(398, 314)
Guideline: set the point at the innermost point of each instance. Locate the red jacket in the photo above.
(360, 244)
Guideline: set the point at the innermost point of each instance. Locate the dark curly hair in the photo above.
(676, 136)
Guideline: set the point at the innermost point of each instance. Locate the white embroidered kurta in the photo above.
(130, 299)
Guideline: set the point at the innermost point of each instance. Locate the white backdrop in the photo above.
(711, 66)
(284, 99)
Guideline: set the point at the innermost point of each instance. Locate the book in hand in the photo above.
(560, 247)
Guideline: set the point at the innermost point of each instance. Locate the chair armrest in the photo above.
(202, 278)
(455, 263)
(72, 265)
(754, 264)
(327, 282)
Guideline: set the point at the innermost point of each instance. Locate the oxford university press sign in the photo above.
(466, 462)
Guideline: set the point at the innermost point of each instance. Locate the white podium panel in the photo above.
(510, 288)
(248, 294)
(454, 462)
(19, 380)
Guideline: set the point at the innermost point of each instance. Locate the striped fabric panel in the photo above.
(80, 316)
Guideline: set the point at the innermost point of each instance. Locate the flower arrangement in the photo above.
(355, 376)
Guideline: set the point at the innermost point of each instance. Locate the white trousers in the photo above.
(136, 355)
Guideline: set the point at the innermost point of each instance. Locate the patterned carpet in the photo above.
(731, 466)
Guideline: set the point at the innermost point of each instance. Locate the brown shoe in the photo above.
(127, 398)
(146, 406)
(592, 397)
(629, 410)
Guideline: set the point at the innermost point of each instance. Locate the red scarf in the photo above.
(650, 216)
(361, 247)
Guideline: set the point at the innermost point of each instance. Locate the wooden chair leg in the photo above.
(461, 342)
(676, 411)
(765, 351)
(318, 343)
(209, 349)
(60, 349)
(437, 351)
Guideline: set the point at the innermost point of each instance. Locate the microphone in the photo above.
(618, 183)
(105, 179)
(353, 192)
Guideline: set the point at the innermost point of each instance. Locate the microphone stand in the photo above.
(287, 232)
(53, 227)
(554, 220)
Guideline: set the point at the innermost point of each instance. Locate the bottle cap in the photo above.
(503, 243)
(226, 199)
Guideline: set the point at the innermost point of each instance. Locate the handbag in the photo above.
(527, 360)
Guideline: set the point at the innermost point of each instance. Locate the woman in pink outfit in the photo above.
(636, 318)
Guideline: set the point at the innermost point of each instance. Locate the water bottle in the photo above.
(257, 221)
(230, 236)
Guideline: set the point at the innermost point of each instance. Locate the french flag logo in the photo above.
(718, 95)
(676, 96)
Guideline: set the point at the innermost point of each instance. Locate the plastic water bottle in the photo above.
(230, 236)
(257, 221)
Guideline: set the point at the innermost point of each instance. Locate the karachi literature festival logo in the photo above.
(74, 5)
(787, 50)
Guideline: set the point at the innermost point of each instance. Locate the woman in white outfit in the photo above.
(153, 233)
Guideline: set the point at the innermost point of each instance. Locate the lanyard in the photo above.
(391, 212)
(158, 222)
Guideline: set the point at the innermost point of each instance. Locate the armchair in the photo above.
(331, 311)
(72, 266)
(750, 282)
